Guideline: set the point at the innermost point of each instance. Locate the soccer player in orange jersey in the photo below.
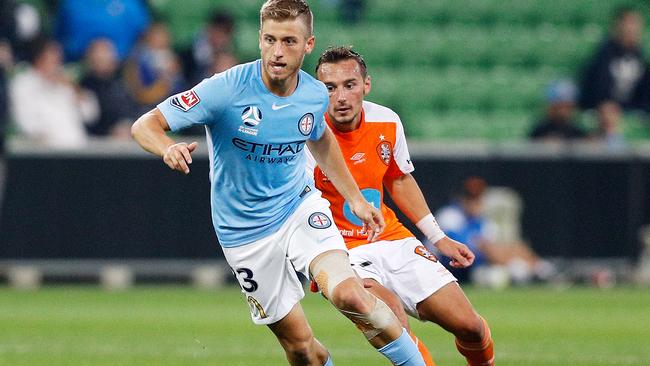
(372, 140)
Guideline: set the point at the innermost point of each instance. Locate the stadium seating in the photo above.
(475, 70)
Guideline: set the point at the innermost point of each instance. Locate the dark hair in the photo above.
(36, 47)
(333, 55)
(222, 19)
(472, 187)
(623, 11)
(281, 10)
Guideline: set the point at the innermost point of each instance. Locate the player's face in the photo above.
(283, 45)
(347, 87)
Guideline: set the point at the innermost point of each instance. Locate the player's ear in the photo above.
(367, 85)
(309, 46)
(259, 39)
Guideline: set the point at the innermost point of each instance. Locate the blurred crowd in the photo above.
(615, 80)
(95, 66)
(91, 67)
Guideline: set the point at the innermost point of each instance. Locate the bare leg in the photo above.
(450, 308)
(296, 337)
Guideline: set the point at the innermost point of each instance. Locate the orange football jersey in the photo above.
(377, 149)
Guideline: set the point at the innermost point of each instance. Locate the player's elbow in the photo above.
(136, 128)
(147, 122)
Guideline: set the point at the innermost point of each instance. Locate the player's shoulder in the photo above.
(235, 76)
(374, 112)
(314, 85)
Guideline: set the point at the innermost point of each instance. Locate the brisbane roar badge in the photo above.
(384, 150)
(422, 251)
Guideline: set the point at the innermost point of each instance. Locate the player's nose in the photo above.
(277, 50)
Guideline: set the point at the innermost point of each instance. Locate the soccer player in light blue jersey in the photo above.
(270, 220)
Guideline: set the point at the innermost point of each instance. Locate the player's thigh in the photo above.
(267, 278)
(313, 234)
(450, 308)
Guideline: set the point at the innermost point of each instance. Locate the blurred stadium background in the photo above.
(468, 79)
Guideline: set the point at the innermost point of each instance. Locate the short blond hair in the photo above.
(281, 10)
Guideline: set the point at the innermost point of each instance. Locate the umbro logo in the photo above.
(277, 107)
(358, 158)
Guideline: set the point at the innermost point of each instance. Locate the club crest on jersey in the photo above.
(422, 251)
(319, 220)
(185, 101)
(306, 124)
(384, 151)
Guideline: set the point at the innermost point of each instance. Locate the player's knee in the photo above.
(469, 329)
(371, 315)
(349, 296)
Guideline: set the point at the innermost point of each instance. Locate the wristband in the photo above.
(429, 227)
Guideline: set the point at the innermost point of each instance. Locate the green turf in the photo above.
(182, 326)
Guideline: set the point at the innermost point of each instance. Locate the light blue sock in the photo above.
(402, 351)
(329, 361)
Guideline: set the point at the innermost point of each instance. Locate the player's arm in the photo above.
(328, 156)
(150, 131)
(408, 197)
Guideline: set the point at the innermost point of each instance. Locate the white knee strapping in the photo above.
(375, 322)
(330, 270)
(335, 268)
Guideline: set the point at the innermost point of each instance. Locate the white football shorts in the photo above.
(266, 269)
(404, 266)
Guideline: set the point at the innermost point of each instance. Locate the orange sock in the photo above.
(478, 353)
(428, 361)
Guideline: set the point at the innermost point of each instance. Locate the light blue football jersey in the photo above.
(257, 142)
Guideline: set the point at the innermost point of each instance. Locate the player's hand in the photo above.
(373, 221)
(461, 256)
(179, 156)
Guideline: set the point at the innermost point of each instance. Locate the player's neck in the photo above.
(281, 88)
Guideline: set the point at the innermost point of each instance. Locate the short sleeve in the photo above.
(200, 105)
(310, 165)
(319, 120)
(401, 163)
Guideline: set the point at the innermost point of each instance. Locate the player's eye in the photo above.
(349, 85)
(290, 42)
(330, 88)
(269, 39)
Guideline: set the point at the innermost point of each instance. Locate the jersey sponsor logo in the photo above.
(269, 153)
(319, 220)
(384, 151)
(358, 158)
(373, 197)
(306, 124)
(185, 101)
(422, 251)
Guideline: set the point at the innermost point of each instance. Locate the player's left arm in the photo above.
(328, 156)
(407, 195)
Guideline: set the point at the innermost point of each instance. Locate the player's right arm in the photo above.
(150, 132)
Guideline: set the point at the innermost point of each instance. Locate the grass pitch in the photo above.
(182, 326)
